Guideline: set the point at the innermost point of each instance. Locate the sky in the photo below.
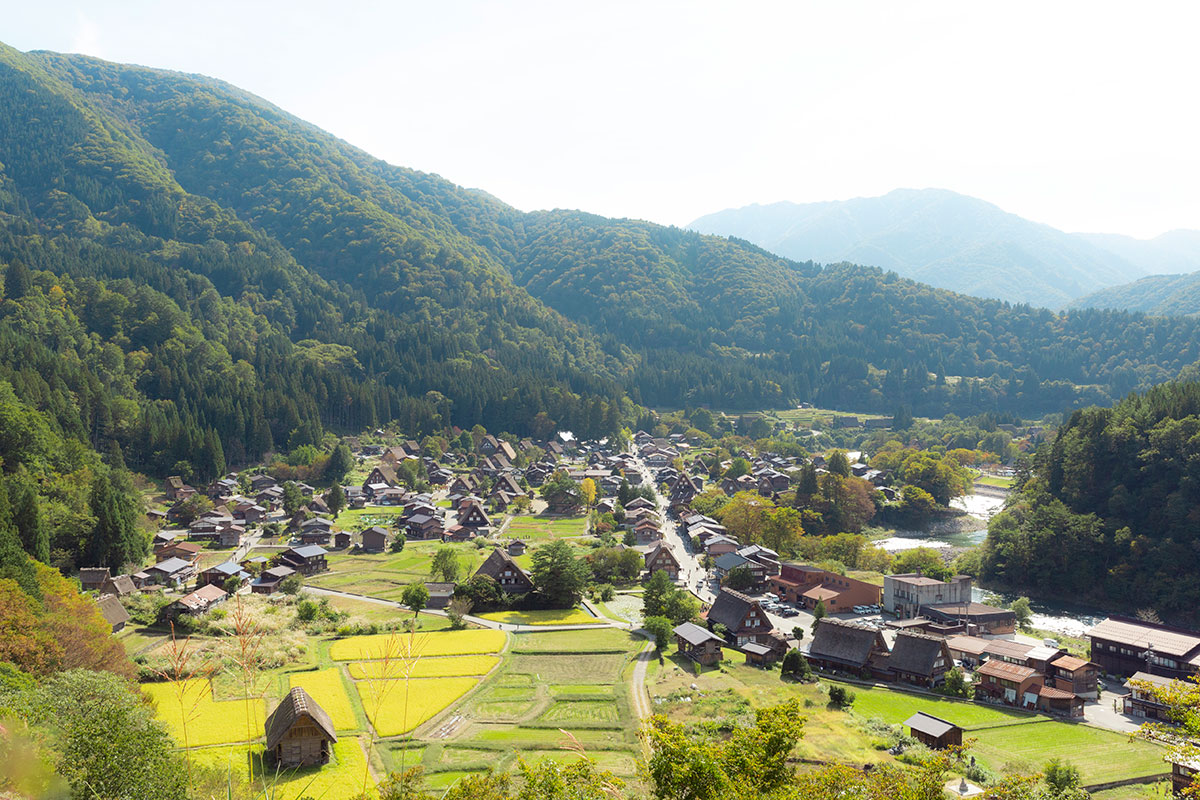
(1080, 115)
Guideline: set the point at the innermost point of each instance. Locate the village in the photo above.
(924, 643)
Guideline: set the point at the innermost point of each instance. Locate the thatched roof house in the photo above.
(299, 732)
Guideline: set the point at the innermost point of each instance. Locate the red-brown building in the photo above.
(807, 586)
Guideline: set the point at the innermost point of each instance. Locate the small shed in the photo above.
(934, 732)
(299, 732)
(699, 644)
(516, 548)
(759, 654)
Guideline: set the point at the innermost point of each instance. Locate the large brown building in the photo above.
(1123, 646)
(806, 586)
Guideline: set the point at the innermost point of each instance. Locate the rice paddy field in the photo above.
(573, 616)
(328, 688)
(341, 779)
(396, 706)
(193, 716)
(402, 645)
(541, 700)
(448, 667)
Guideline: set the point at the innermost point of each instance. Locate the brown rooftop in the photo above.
(1005, 671)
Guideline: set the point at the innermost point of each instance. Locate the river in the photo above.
(1056, 617)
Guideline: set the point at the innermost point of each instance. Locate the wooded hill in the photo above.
(1112, 513)
(245, 281)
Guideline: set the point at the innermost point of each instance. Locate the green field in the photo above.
(544, 528)
(894, 707)
(600, 640)
(1100, 755)
(385, 575)
(351, 519)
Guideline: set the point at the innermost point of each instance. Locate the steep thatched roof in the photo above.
(847, 643)
(296, 706)
(915, 653)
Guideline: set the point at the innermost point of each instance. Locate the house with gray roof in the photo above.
(847, 646)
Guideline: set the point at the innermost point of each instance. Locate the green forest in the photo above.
(1110, 509)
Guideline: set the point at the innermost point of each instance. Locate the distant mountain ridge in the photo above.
(1166, 295)
(956, 242)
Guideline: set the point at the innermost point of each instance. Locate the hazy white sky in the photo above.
(1080, 115)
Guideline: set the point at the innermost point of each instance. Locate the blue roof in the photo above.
(171, 565)
(730, 561)
(310, 551)
(228, 568)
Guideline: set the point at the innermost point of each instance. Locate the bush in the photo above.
(606, 592)
(840, 696)
(291, 584)
(306, 611)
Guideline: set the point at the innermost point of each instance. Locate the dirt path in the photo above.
(639, 696)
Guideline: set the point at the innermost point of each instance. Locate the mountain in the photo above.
(239, 282)
(937, 237)
(1156, 294)
(1172, 253)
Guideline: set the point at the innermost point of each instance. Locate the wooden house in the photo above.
(375, 539)
(220, 573)
(1185, 773)
(268, 582)
(440, 594)
(660, 557)
(172, 571)
(501, 567)
(307, 559)
(516, 547)
(698, 644)
(91, 579)
(299, 732)
(919, 659)
(342, 539)
(473, 516)
(113, 612)
(120, 586)
(424, 526)
(1074, 675)
(1123, 646)
(201, 600)
(742, 617)
(934, 732)
(1142, 701)
(848, 646)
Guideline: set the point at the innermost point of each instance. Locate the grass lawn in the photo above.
(571, 616)
(341, 779)
(385, 575)
(1100, 755)
(397, 706)
(327, 688)
(190, 705)
(600, 640)
(353, 518)
(401, 645)
(894, 707)
(134, 638)
(430, 667)
(534, 528)
(992, 480)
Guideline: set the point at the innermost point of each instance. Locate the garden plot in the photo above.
(541, 528)
(1101, 756)
(569, 669)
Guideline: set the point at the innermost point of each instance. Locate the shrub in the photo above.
(840, 696)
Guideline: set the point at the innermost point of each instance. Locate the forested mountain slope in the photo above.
(327, 289)
(1112, 511)
(1157, 294)
(938, 237)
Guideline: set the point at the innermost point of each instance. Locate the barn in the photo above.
(299, 732)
